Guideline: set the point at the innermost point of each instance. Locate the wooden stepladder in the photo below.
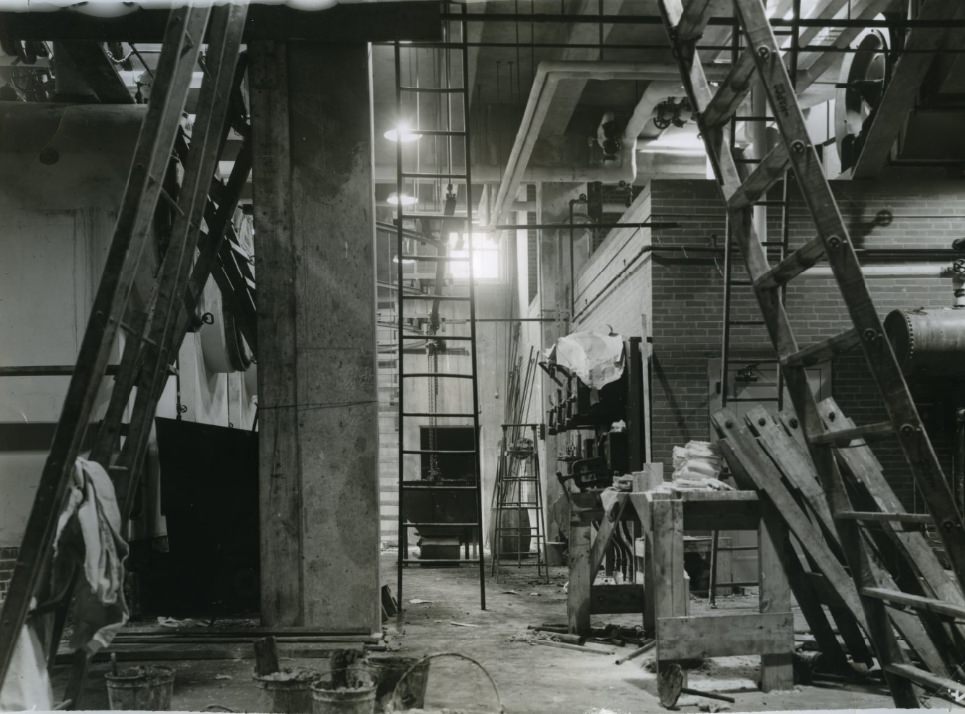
(762, 61)
(153, 332)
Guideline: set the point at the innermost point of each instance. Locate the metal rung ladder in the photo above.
(518, 492)
(417, 234)
(684, 21)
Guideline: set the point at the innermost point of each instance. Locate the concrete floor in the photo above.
(530, 677)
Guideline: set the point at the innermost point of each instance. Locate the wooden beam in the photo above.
(902, 89)
(722, 635)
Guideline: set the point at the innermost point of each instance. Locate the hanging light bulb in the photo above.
(403, 133)
(405, 199)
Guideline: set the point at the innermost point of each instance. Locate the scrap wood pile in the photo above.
(768, 454)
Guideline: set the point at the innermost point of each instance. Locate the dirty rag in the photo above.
(89, 535)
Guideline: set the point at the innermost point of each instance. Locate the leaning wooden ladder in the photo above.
(762, 58)
(155, 331)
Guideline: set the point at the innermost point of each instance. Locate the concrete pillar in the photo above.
(318, 412)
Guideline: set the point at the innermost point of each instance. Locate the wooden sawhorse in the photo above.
(681, 636)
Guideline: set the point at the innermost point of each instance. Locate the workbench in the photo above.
(663, 598)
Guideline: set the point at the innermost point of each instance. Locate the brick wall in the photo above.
(687, 310)
(8, 556)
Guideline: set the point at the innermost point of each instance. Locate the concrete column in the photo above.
(318, 412)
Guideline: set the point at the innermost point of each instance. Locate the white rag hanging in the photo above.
(595, 356)
(89, 532)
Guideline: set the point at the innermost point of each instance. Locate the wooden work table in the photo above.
(664, 598)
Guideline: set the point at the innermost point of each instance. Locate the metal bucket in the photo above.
(357, 698)
(388, 670)
(287, 692)
(141, 688)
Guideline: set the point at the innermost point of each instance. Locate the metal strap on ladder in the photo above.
(437, 324)
(684, 23)
(517, 494)
(154, 334)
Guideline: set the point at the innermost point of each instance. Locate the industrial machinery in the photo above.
(929, 344)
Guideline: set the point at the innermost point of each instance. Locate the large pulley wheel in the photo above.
(861, 84)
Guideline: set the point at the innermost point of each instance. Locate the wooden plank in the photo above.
(616, 599)
(810, 604)
(774, 550)
(903, 86)
(794, 464)
(668, 590)
(823, 351)
(730, 93)
(722, 635)
(840, 588)
(942, 686)
(769, 171)
(878, 517)
(172, 80)
(793, 265)
(916, 602)
(740, 450)
(605, 534)
(847, 437)
(578, 590)
(278, 455)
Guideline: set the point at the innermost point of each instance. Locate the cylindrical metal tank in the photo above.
(928, 342)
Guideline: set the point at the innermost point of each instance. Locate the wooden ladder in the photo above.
(153, 332)
(762, 58)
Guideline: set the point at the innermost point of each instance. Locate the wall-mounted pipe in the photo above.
(547, 78)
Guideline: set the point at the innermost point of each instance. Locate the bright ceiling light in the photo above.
(395, 199)
(403, 133)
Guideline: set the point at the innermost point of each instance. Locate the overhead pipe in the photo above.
(547, 78)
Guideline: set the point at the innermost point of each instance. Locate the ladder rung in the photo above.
(435, 258)
(741, 283)
(434, 217)
(730, 94)
(426, 175)
(916, 602)
(441, 561)
(752, 399)
(441, 451)
(766, 174)
(451, 375)
(418, 486)
(747, 322)
(416, 524)
(439, 132)
(946, 688)
(793, 265)
(846, 436)
(461, 338)
(512, 506)
(879, 517)
(429, 296)
(690, 18)
(824, 350)
(437, 90)
(468, 415)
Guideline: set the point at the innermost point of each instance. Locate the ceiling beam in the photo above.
(413, 20)
(902, 89)
(568, 93)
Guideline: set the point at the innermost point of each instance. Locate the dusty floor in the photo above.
(530, 677)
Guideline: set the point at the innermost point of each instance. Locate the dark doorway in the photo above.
(448, 467)
(209, 497)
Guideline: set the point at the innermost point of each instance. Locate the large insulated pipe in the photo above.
(547, 77)
(928, 342)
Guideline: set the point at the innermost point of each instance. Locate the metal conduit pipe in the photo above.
(547, 78)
